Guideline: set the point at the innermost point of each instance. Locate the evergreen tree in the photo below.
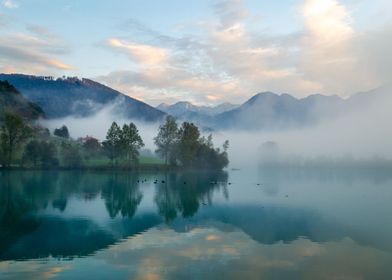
(70, 155)
(112, 144)
(131, 142)
(91, 147)
(166, 140)
(188, 143)
(48, 154)
(32, 152)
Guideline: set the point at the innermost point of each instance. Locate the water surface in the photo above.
(244, 224)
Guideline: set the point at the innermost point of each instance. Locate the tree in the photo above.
(91, 147)
(195, 151)
(32, 152)
(166, 140)
(13, 133)
(40, 152)
(48, 154)
(62, 132)
(131, 142)
(188, 143)
(208, 157)
(70, 155)
(112, 144)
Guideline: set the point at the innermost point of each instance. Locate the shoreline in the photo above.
(139, 168)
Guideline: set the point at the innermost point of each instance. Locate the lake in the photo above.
(276, 223)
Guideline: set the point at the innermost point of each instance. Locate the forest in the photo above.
(27, 146)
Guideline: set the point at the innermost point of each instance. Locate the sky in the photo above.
(205, 52)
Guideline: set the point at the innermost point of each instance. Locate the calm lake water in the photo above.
(245, 224)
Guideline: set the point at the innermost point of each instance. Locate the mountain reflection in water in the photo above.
(293, 224)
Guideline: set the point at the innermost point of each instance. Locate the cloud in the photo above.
(35, 52)
(41, 31)
(10, 4)
(327, 21)
(28, 57)
(230, 12)
(212, 253)
(328, 55)
(143, 54)
(226, 60)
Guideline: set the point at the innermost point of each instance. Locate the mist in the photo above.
(98, 124)
(362, 135)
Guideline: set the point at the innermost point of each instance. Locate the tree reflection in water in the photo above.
(122, 194)
(33, 206)
(183, 192)
(24, 193)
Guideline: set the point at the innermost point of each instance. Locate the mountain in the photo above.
(12, 100)
(265, 111)
(223, 107)
(183, 108)
(270, 111)
(79, 97)
(201, 115)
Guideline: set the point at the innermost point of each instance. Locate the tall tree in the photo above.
(188, 143)
(32, 152)
(166, 140)
(131, 142)
(40, 152)
(48, 154)
(112, 144)
(13, 133)
(91, 147)
(70, 155)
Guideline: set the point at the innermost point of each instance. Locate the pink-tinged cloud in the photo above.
(143, 54)
(227, 61)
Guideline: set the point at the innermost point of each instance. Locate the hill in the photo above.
(64, 97)
(12, 100)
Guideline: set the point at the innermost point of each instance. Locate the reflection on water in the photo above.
(28, 201)
(270, 224)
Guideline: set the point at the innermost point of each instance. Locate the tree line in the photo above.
(185, 146)
(22, 144)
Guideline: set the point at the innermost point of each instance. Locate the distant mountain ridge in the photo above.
(11, 100)
(264, 111)
(270, 111)
(182, 108)
(201, 115)
(63, 97)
